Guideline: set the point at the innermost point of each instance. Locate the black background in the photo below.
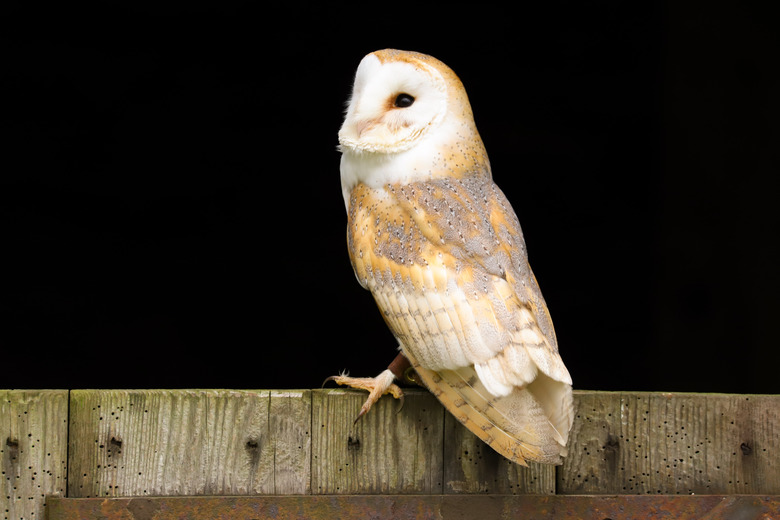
(172, 214)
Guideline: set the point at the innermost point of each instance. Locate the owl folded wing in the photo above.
(471, 319)
(507, 385)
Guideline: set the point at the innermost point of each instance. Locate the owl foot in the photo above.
(376, 386)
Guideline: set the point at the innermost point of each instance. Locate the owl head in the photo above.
(408, 120)
(400, 99)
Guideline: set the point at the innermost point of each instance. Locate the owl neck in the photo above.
(429, 159)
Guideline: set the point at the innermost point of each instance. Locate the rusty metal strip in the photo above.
(420, 507)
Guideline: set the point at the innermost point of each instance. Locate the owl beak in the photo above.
(363, 125)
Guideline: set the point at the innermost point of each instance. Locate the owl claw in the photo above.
(376, 386)
(331, 378)
(369, 402)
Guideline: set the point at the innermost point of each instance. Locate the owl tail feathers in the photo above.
(557, 402)
(529, 424)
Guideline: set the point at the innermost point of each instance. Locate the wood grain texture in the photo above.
(223, 442)
(290, 422)
(630, 443)
(384, 452)
(189, 442)
(471, 466)
(33, 450)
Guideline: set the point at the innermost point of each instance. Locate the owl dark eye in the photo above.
(403, 101)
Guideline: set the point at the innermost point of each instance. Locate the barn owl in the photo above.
(439, 247)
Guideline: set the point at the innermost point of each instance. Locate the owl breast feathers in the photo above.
(438, 245)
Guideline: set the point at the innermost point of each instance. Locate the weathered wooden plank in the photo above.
(33, 449)
(421, 507)
(189, 442)
(384, 452)
(673, 443)
(471, 466)
(290, 423)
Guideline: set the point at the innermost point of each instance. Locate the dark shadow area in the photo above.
(171, 212)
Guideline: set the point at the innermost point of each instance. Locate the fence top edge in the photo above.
(668, 394)
(294, 392)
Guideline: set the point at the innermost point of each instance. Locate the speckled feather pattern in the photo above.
(443, 254)
(458, 293)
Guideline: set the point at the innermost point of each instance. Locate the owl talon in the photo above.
(331, 378)
(376, 386)
(400, 402)
(369, 402)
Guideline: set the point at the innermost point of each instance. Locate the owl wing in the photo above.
(445, 261)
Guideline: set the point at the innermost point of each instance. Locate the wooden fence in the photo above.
(166, 443)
